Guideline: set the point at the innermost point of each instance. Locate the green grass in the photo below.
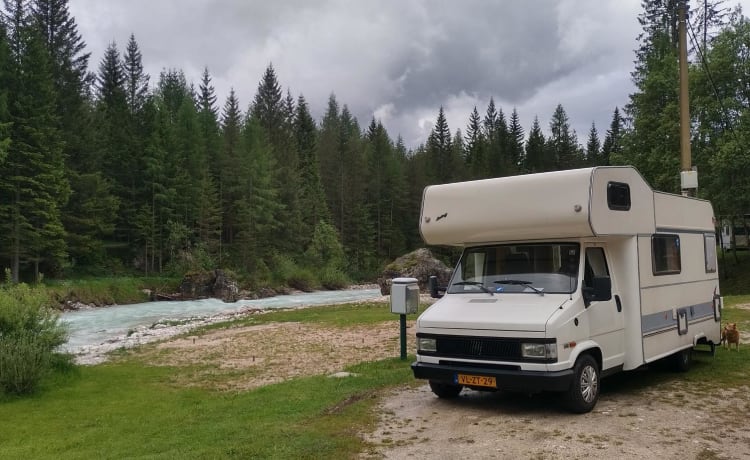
(108, 291)
(127, 410)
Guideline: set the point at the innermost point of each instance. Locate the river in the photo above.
(96, 331)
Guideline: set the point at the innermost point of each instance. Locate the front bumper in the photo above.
(517, 380)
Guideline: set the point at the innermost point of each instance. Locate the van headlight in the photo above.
(539, 350)
(426, 344)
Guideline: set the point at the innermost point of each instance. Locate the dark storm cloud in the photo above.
(396, 60)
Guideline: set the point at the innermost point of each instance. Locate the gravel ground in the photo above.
(658, 423)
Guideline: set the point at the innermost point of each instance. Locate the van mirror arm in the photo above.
(436, 291)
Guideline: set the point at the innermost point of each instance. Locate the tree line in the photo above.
(107, 171)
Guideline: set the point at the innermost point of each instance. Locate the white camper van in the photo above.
(565, 277)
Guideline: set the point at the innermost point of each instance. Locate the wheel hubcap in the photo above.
(589, 384)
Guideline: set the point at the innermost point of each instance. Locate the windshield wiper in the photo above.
(474, 283)
(522, 283)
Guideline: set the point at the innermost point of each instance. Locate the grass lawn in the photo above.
(126, 409)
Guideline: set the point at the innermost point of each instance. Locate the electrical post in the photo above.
(688, 175)
(404, 300)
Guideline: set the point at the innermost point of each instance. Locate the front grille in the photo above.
(490, 349)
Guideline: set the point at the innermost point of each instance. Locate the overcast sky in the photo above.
(396, 60)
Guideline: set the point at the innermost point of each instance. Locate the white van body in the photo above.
(565, 277)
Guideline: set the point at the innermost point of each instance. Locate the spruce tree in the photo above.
(228, 180)
(136, 80)
(327, 152)
(311, 194)
(593, 147)
(536, 155)
(653, 145)
(514, 149)
(440, 151)
(563, 142)
(612, 145)
(273, 115)
(475, 144)
(34, 188)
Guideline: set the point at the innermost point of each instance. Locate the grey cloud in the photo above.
(403, 59)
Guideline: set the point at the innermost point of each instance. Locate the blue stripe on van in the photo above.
(663, 320)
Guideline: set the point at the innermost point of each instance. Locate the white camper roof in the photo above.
(560, 204)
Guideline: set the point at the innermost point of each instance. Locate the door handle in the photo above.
(619, 303)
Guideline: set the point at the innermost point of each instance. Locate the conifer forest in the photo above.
(105, 169)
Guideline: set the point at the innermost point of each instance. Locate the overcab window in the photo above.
(665, 253)
(618, 196)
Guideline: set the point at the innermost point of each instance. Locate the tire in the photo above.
(583, 393)
(445, 390)
(682, 360)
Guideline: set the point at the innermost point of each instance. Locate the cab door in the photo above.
(606, 318)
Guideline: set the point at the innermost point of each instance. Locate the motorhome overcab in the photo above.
(565, 277)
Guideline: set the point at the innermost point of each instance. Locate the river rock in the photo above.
(225, 288)
(214, 283)
(420, 264)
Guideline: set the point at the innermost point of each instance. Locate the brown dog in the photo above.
(730, 335)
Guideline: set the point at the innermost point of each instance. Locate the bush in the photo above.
(333, 278)
(30, 333)
(303, 279)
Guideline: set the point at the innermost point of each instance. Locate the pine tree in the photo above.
(273, 115)
(34, 188)
(5, 66)
(228, 180)
(440, 151)
(136, 80)
(514, 149)
(593, 147)
(536, 157)
(612, 145)
(328, 155)
(69, 68)
(475, 148)
(563, 142)
(311, 194)
(257, 205)
(653, 144)
(209, 210)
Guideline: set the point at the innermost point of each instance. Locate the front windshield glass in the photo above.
(518, 268)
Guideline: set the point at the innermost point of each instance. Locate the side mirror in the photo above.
(600, 290)
(434, 289)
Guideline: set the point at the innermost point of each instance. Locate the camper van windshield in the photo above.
(513, 268)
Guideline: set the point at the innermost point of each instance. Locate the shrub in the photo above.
(303, 279)
(30, 333)
(332, 278)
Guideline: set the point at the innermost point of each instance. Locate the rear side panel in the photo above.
(676, 309)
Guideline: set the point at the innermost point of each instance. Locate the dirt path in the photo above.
(658, 423)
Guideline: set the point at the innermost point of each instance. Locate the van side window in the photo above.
(709, 243)
(665, 254)
(618, 196)
(596, 265)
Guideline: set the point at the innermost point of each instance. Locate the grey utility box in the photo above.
(404, 296)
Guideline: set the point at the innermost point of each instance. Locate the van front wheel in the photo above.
(583, 393)
(445, 390)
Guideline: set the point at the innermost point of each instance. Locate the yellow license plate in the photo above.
(476, 380)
